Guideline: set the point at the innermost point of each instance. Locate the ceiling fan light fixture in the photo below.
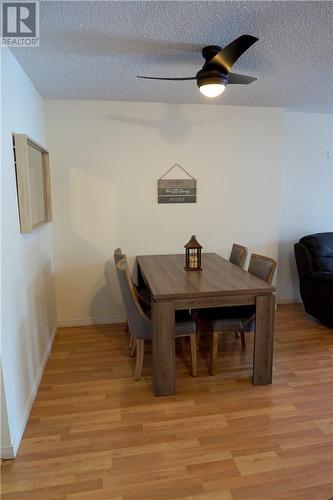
(215, 74)
(211, 82)
(212, 89)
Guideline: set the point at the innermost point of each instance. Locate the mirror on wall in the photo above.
(33, 183)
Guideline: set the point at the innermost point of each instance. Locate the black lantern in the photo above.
(193, 255)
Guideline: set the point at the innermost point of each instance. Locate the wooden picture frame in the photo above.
(33, 183)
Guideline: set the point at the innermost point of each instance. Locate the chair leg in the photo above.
(194, 364)
(243, 340)
(237, 335)
(126, 326)
(214, 353)
(132, 346)
(198, 337)
(140, 347)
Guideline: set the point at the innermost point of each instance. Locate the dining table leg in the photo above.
(263, 340)
(163, 347)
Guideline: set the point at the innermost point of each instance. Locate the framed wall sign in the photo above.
(33, 183)
(177, 190)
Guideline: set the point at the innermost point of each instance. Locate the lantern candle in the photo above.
(193, 261)
(193, 255)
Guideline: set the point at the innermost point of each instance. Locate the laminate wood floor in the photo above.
(94, 433)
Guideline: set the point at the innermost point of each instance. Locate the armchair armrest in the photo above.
(303, 261)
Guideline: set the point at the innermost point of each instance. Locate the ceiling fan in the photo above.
(215, 74)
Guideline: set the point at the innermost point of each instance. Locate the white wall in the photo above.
(106, 160)
(307, 190)
(28, 300)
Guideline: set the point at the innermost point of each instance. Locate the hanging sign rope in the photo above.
(177, 190)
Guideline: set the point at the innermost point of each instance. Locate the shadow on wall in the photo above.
(287, 273)
(293, 271)
(92, 199)
(85, 43)
(107, 294)
(174, 127)
(91, 202)
(110, 294)
(41, 309)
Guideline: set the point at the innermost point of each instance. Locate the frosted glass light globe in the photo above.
(212, 89)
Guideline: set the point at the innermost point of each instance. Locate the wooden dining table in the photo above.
(219, 284)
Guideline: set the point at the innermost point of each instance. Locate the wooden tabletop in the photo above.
(167, 278)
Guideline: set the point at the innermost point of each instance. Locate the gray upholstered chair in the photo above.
(142, 294)
(118, 255)
(239, 319)
(140, 324)
(262, 267)
(238, 255)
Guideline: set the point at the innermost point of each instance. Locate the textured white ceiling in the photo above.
(94, 50)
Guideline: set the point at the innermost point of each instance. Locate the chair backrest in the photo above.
(118, 255)
(238, 255)
(139, 324)
(262, 267)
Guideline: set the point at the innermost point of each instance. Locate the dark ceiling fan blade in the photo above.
(235, 78)
(230, 53)
(158, 78)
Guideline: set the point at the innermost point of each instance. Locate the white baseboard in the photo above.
(288, 300)
(9, 452)
(88, 321)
